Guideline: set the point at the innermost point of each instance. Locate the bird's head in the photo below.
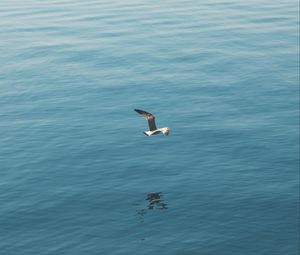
(166, 131)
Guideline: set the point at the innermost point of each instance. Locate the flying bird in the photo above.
(152, 126)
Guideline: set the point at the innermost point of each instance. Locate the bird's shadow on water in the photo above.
(155, 201)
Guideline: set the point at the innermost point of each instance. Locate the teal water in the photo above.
(77, 174)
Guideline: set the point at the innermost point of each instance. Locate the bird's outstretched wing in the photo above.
(149, 117)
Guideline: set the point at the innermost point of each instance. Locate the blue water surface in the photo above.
(76, 169)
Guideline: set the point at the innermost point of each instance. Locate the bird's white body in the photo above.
(163, 130)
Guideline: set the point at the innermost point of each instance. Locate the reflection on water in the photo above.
(155, 201)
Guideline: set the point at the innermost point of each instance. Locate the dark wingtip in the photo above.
(142, 112)
(138, 111)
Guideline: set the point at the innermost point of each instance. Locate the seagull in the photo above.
(151, 122)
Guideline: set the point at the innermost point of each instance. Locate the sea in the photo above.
(77, 174)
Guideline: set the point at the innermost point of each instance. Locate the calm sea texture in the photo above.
(78, 176)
